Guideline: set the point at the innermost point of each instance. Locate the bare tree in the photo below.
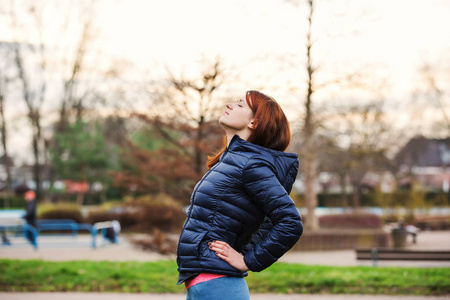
(34, 96)
(362, 133)
(313, 134)
(430, 98)
(5, 78)
(308, 151)
(190, 107)
(49, 70)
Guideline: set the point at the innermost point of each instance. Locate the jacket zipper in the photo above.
(195, 191)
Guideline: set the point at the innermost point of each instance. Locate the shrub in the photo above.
(351, 221)
(143, 214)
(160, 212)
(60, 211)
(11, 201)
(158, 241)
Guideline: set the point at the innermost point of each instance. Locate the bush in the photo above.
(143, 214)
(11, 201)
(158, 241)
(160, 212)
(356, 221)
(60, 211)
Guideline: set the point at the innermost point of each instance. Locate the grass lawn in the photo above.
(161, 276)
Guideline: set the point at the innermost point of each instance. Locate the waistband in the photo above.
(202, 277)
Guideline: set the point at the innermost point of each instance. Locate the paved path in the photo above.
(69, 248)
(116, 296)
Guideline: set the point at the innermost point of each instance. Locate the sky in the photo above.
(396, 34)
(263, 41)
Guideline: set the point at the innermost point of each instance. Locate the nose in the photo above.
(229, 106)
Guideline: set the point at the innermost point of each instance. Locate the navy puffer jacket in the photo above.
(249, 185)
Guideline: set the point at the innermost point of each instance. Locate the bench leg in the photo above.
(94, 237)
(374, 256)
(5, 240)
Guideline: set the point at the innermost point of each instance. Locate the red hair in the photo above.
(272, 127)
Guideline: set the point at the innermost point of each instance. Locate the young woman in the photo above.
(241, 217)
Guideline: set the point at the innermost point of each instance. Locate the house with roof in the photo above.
(425, 162)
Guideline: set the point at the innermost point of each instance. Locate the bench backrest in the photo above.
(55, 221)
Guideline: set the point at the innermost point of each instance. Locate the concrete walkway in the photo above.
(427, 240)
(115, 296)
(66, 248)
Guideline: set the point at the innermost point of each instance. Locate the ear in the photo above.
(252, 124)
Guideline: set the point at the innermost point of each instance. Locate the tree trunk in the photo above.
(33, 115)
(37, 167)
(4, 143)
(309, 156)
(198, 152)
(80, 198)
(312, 222)
(356, 198)
(343, 185)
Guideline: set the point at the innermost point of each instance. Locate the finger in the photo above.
(216, 248)
(219, 243)
(220, 250)
(222, 256)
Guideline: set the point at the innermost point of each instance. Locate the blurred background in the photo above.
(108, 109)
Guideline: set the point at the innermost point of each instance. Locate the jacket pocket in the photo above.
(203, 247)
(190, 243)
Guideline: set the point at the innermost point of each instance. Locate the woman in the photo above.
(241, 217)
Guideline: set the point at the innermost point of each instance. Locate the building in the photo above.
(425, 162)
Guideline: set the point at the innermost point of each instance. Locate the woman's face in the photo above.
(238, 116)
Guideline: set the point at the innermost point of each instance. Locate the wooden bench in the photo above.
(376, 254)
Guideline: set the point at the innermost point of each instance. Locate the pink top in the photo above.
(202, 277)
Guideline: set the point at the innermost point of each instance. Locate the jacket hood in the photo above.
(284, 164)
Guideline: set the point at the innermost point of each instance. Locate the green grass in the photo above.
(161, 276)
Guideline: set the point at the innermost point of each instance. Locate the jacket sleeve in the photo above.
(263, 186)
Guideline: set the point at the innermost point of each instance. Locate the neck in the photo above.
(242, 135)
(229, 137)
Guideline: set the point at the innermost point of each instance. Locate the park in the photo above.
(112, 111)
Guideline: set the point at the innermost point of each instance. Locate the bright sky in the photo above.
(391, 37)
(395, 34)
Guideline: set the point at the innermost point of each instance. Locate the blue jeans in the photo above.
(225, 288)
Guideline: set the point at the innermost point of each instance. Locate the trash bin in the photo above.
(399, 237)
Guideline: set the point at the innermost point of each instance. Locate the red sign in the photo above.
(76, 187)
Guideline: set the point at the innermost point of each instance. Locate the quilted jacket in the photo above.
(242, 200)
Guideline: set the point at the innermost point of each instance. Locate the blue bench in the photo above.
(66, 225)
(24, 230)
(62, 225)
(74, 227)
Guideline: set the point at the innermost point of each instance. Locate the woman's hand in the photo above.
(228, 254)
